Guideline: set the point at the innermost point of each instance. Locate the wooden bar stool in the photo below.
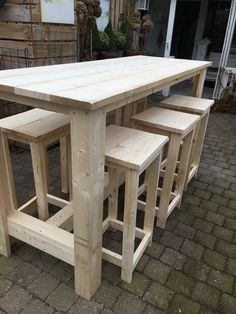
(200, 107)
(131, 151)
(38, 128)
(179, 127)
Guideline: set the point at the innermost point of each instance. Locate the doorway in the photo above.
(185, 25)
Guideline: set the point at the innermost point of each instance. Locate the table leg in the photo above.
(5, 202)
(88, 147)
(199, 84)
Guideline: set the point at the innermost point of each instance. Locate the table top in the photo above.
(92, 85)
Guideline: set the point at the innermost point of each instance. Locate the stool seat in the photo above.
(187, 104)
(34, 124)
(131, 152)
(132, 148)
(167, 120)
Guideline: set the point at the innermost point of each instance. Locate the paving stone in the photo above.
(24, 273)
(15, 300)
(173, 259)
(199, 185)
(37, 307)
(209, 205)
(7, 264)
(205, 239)
(208, 310)
(44, 261)
(206, 295)
(182, 305)
(184, 231)
(83, 306)
(231, 267)
(5, 285)
(196, 269)
(180, 283)
(214, 259)
(232, 204)
(191, 199)
(62, 298)
(226, 211)
(223, 233)
(171, 223)
(171, 240)
(226, 248)
(155, 250)
(108, 293)
(215, 218)
(143, 262)
(156, 270)
(203, 225)
(192, 249)
(205, 195)
(206, 178)
(228, 304)
(129, 303)
(230, 224)
(107, 311)
(43, 285)
(184, 218)
(230, 194)
(221, 183)
(138, 285)
(197, 211)
(63, 271)
(111, 273)
(152, 310)
(215, 189)
(26, 252)
(221, 200)
(221, 281)
(158, 295)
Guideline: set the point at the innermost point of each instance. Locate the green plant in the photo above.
(112, 40)
(120, 40)
(96, 42)
(104, 41)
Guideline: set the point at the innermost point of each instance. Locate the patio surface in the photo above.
(190, 267)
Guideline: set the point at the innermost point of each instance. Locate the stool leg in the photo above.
(113, 192)
(183, 165)
(172, 156)
(8, 165)
(199, 142)
(40, 178)
(130, 213)
(5, 202)
(64, 165)
(151, 179)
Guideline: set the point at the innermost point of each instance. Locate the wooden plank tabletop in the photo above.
(91, 85)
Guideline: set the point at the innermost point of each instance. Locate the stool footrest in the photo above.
(116, 258)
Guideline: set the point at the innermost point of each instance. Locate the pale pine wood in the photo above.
(113, 192)
(133, 76)
(130, 213)
(132, 109)
(43, 236)
(197, 106)
(167, 120)
(5, 204)
(8, 166)
(64, 165)
(187, 104)
(40, 178)
(131, 148)
(151, 181)
(88, 183)
(183, 165)
(63, 219)
(199, 84)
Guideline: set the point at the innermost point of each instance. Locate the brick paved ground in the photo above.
(190, 268)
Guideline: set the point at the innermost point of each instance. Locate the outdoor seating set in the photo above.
(163, 143)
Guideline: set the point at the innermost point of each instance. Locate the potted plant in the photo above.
(111, 49)
(86, 11)
(120, 43)
(96, 41)
(104, 43)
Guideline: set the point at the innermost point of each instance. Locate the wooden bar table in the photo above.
(85, 91)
